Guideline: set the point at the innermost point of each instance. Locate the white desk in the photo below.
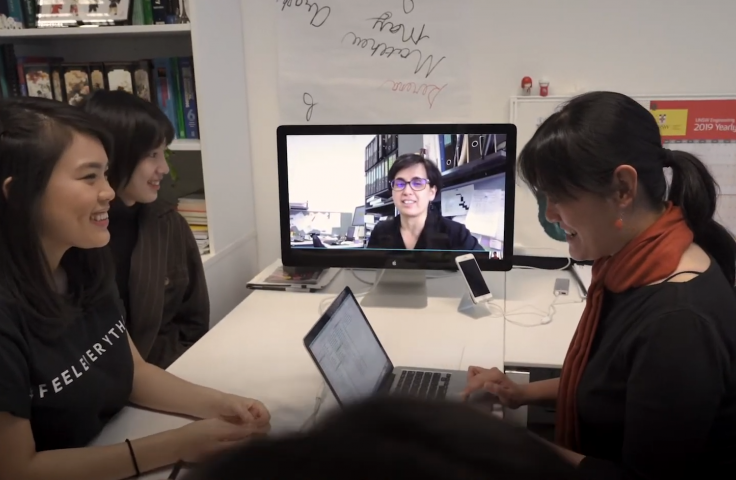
(539, 345)
(257, 350)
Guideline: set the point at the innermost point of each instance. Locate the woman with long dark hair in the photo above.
(648, 387)
(67, 364)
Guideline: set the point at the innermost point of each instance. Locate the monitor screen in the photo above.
(359, 216)
(425, 194)
(349, 355)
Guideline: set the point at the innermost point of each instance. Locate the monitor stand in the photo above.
(398, 289)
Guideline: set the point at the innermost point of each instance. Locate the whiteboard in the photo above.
(367, 61)
(530, 236)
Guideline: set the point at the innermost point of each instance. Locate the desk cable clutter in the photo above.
(547, 316)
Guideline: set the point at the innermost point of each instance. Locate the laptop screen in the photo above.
(349, 354)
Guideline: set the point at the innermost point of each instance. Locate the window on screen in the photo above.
(420, 192)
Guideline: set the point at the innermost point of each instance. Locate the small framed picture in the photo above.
(72, 13)
(119, 77)
(76, 83)
(38, 80)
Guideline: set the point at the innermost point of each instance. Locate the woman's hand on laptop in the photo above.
(494, 381)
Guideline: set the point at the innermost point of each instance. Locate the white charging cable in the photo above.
(318, 400)
(546, 315)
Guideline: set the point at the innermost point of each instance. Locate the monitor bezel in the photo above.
(393, 259)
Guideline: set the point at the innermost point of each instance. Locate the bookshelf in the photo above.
(219, 161)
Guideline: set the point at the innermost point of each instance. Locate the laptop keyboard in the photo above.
(424, 385)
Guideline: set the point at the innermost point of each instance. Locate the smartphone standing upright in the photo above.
(477, 286)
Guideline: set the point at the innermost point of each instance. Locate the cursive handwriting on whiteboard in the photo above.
(383, 22)
(388, 51)
(321, 14)
(428, 90)
(310, 103)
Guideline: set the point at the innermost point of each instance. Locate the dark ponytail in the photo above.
(695, 191)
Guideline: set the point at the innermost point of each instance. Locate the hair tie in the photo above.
(669, 158)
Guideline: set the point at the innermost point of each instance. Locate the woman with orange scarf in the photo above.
(648, 387)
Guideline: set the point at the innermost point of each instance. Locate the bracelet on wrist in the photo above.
(132, 457)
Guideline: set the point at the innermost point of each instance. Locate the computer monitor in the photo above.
(428, 193)
(359, 216)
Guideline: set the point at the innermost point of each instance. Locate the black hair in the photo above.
(137, 126)
(409, 160)
(578, 148)
(395, 438)
(34, 134)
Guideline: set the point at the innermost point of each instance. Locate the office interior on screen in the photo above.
(339, 188)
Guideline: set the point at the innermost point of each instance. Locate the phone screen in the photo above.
(474, 277)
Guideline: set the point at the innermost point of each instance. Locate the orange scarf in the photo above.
(651, 256)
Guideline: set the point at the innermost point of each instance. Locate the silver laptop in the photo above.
(355, 365)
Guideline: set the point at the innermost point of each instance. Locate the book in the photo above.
(11, 15)
(188, 97)
(169, 82)
(295, 276)
(178, 100)
(194, 210)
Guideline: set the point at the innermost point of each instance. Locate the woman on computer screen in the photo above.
(415, 182)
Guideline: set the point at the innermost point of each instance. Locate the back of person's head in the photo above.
(34, 135)
(396, 439)
(578, 149)
(137, 126)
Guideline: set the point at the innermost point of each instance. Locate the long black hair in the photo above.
(34, 134)
(396, 438)
(137, 127)
(578, 148)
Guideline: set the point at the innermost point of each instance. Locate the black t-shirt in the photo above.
(68, 389)
(439, 233)
(658, 397)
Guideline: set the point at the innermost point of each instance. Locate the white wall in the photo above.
(218, 47)
(224, 129)
(631, 46)
(327, 171)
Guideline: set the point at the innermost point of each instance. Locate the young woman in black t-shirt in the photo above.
(67, 364)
